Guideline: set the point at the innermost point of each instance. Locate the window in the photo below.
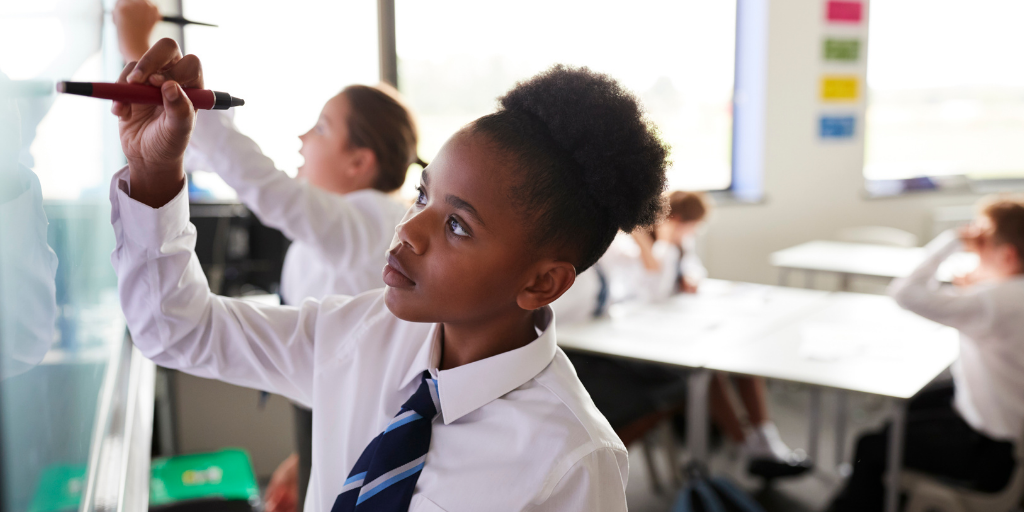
(946, 91)
(284, 60)
(455, 57)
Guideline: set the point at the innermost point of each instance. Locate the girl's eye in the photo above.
(421, 198)
(456, 227)
(319, 128)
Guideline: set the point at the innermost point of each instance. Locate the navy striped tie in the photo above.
(385, 475)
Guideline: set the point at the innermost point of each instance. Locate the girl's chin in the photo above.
(403, 306)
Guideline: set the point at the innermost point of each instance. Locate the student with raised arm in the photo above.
(969, 431)
(445, 390)
(339, 213)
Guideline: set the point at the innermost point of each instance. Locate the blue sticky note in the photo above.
(837, 127)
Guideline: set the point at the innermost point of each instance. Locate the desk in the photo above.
(845, 341)
(686, 330)
(850, 259)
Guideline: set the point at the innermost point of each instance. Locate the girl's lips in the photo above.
(393, 275)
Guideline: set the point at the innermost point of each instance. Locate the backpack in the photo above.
(715, 494)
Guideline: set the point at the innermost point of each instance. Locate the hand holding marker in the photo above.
(149, 95)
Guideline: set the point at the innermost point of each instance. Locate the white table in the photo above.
(852, 259)
(852, 342)
(845, 341)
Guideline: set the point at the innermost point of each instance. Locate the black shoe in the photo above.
(770, 469)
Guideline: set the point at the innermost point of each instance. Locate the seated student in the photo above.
(966, 431)
(460, 344)
(339, 213)
(650, 268)
(766, 452)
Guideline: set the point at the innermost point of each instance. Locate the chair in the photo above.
(644, 429)
(929, 494)
(881, 235)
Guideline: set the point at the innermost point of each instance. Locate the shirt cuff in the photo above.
(147, 226)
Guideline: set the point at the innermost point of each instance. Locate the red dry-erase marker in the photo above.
(149, 95)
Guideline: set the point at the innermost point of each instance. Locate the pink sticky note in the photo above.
(844, 11)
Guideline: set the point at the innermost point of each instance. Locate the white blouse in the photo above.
(337, 240)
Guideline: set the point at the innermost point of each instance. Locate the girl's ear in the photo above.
(552, 279)
(1010, 258)
(364, 163)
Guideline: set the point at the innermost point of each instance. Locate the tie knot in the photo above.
(425, 401)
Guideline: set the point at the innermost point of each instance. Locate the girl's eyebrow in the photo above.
(461, 204)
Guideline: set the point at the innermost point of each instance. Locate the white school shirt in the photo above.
(337, 240)
(622, 265)
(989, 375)
(690, 266)
(629, 280)
(517, 431)
(28, 271)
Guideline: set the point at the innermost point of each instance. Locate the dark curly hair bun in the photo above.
(590, 162)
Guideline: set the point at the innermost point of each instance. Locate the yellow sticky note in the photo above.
(839, 88)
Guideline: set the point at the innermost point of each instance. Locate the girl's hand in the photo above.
(970, 236)
(154, 137)
(646, 243)
(282, 493)
(135, 20)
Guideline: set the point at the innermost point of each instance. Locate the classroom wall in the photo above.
(812, 189)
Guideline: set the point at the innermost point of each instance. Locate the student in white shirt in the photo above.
(339, 213)
(515, 204)
(969, 431)
(648, 267)
(28, 266)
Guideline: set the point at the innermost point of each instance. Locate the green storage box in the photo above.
(225, 475)
(60, 489)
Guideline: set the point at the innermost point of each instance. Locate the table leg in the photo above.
(783, 276)
(840, 430)
(698, 383)
(844, 282)
(894, 461)
(814, 426)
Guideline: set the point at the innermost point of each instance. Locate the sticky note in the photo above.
(844, 11)
(842, 49)
(839, 88)
(836, 127)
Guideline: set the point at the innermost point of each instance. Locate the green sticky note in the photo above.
(842, 49)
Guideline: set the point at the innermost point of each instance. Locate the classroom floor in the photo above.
(788, 405)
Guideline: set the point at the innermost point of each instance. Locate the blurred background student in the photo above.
(650, 267)
(967, 430)
(339, 212)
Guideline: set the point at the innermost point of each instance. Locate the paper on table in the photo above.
(833, 341)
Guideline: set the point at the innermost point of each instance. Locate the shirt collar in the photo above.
(471, 386)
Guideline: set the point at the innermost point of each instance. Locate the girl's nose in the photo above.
(412, 231)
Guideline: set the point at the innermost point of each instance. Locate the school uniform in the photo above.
(28, 270)
(625, 391)
(629, 280)
(337, 240)
(968, 432)
(691, 268)
(516, 431)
